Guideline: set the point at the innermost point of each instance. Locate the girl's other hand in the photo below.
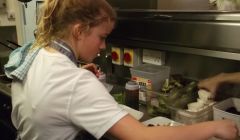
(211, 84)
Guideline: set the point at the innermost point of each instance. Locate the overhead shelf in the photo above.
(214, 34)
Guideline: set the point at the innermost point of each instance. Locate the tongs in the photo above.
(10, 46)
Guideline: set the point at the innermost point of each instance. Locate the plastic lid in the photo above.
(132, 85)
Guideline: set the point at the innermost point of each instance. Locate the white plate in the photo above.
(135, 113)
(161, 121)
(168, 122)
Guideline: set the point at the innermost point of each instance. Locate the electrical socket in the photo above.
(11, 14)
(153, 57)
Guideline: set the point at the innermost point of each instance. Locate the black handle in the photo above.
(9, 47)
(14, 43)
(159, 16)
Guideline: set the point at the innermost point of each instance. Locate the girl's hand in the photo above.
(93, 68)
(226, 129)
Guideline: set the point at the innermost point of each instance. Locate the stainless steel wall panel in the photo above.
(194, 32)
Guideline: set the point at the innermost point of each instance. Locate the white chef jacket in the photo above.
(57, 99)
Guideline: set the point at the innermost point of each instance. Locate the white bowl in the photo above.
(135, 113)
(219, 110)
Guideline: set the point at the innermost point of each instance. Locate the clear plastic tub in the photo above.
(187, 117)
(157, 104)
(149, 75)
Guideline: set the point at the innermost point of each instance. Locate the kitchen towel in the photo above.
(20, 61)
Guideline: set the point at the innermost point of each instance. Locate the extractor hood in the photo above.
(212, 33)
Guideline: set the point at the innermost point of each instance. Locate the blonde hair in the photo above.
(57, 15)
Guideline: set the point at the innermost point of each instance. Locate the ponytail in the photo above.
(45, 23)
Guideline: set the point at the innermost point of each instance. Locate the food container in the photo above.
(149, 75)
(187, 117)
(157, 104)
(228, 109)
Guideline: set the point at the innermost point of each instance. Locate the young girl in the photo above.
(53, 99)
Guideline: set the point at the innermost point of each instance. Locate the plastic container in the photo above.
(149, 75)
(132, 94)
(157, 104)
(187, 117)
(228, 109)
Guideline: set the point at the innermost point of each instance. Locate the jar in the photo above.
(132, 94)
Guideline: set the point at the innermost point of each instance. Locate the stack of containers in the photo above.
(150, 78)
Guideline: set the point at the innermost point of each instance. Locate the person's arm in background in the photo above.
(211, 84)
(130, 129)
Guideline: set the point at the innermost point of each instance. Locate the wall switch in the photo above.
(132, 57)
(11, 14)
(117, 55)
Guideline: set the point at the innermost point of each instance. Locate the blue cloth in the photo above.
(20, 61)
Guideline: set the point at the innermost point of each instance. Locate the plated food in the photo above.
(150, 125)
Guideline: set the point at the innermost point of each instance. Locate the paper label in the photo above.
(143, 82)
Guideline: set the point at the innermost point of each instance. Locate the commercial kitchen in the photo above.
(165, 47)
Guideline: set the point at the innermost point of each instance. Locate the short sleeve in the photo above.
(92, 107)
